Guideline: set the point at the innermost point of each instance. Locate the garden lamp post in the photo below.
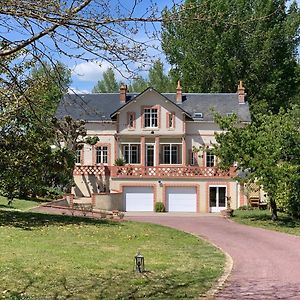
(139, 263)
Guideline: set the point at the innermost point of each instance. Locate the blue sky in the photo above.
(86, 74)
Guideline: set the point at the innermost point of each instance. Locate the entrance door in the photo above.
(150, 155)
(217, 198)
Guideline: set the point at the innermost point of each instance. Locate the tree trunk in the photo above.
(273, 209)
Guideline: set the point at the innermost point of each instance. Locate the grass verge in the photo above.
(19, 204)
(61, 257)
(262, 219)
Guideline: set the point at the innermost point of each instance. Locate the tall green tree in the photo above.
(215, 43)
(108, 84)
(267, 152)
(157, 78)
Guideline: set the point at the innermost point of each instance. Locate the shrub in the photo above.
(119, 162)
(246, 207)
(159, 207)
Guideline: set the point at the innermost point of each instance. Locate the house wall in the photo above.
(202, 185)
(164, 106)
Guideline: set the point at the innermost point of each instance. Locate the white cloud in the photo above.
(89, 71)
(72, 90)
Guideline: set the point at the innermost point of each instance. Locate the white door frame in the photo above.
(217, 208)
(154, 153)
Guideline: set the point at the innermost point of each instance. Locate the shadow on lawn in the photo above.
(30, 220)
(265, 217)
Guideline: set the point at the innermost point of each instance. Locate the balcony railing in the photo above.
(131, 171)
(168, 172)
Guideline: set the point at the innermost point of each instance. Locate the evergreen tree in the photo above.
(108, 84)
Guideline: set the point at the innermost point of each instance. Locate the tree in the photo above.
(214, 44)
(157, 78)
(267, 151)
(26, 136)
(139, 84)
(108, 84)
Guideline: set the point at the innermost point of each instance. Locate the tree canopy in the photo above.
(267, 152)
(108, 84)
(214, 44)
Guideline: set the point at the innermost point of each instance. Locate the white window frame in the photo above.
(78, 157)
(217, 194)
(130, 153)
(153, 116)
(179, 158)
(101, 155)
(212, 156)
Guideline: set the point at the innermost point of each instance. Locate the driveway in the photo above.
(266, 263)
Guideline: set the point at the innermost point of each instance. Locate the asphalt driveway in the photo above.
(266, 263)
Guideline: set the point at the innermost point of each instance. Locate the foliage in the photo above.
(120, 162)
(108, 84)
(156, 79)
(26, 137)
(159, 207)
(267, 151)
(179, 265)
(92, 140)
(214, 44)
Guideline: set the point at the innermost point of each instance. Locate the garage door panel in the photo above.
(138, 198)
(182, 199)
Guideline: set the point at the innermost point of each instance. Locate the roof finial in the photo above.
(178, 85)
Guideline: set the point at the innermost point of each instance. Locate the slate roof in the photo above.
(99, 107)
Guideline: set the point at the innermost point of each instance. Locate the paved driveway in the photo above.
(266, 263)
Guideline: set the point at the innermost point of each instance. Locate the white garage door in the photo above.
(138, 198)
(182, 199)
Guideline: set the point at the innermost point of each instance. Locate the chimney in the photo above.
(241, 93)
(178, 93)
(123, 92)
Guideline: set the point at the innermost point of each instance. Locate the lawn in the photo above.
(262, 218)
(19, 204)
(60, 257)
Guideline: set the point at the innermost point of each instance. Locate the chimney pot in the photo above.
(123, 93)
(178, 93)
(241, 92)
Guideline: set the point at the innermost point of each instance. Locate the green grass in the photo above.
(60, 257)
(262, 219)
(19, 204)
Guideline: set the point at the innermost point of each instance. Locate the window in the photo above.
(101, 155)
(198, 115)
(193, 158)
(131, 120)
(131, 153)
(171, 120)
(210, 159)
(150, 117)
(78, 156)
(170, 154)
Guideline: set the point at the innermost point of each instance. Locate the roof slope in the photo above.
(99, 107)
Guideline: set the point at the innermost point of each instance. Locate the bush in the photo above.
(119, 162)
(246, 207)
(159, 207)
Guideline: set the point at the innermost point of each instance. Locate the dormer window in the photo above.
(198, 115)
(150, 117)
